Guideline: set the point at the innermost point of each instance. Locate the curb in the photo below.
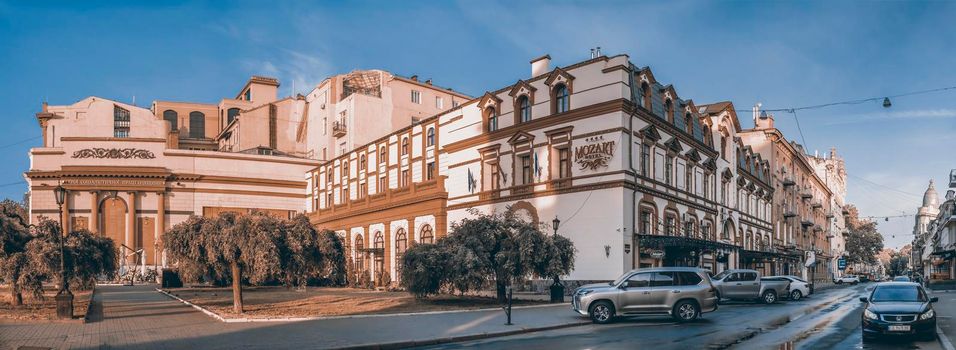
(221, 318)
(943, 339)
(463, 338)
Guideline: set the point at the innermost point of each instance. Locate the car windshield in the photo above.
(618, 280)
(721, 275)
(897, 294)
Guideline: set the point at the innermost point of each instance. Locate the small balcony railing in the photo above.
(788, 182)
(339, 129)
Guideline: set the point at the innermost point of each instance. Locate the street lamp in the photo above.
(557, 289)
(64, 297)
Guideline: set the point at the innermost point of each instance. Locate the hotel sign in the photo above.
(595, 154)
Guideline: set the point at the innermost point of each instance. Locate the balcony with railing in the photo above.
(787, 182)
(339, 128)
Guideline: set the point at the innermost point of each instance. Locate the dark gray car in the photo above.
(680, 292)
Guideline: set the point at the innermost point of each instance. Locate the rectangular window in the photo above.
(345, 195)
(669, 226)
(329, 200)
(526, 170)
(439, 103)
(416, 96)
(645, 159)
(363, 190)
(645, 222)
(382, 184)
(706, 181)
(430, 170)
(564, 163)
(689, 179)
(495, 176)
(405, 178)
(668, 170)
(120, 122)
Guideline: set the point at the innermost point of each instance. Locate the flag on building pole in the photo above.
(471, 182)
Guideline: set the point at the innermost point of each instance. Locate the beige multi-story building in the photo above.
(801, 204)
(832, 169)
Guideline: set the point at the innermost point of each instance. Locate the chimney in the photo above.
(429, 81)
(414, 78)
(540, 65)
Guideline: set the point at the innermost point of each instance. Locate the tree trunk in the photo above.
(17, 296)
(236, 288)
(502, 292)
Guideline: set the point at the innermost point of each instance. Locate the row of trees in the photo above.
(255, 249)
(30, 254)
(498, 249)
(863, 241)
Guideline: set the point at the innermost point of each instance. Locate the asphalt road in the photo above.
(827, 320)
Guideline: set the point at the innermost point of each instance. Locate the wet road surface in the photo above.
(829, 319)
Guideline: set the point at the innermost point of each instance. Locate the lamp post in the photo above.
(64, 297)
(557, 289)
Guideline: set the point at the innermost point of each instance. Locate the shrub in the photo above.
(423, 269)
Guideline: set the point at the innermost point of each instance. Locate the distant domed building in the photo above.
(922, 243)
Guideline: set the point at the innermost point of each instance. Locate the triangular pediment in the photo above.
(710, 164)
(521, 88)
(693, 155)
(650, 132)
(674, 145)
(669, 92)
(489, 100)
(521, 137)
(558, 75)
(727, 174)
(646, 75)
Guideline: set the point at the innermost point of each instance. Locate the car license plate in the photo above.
(903, 328)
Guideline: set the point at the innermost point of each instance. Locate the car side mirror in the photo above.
(933, 299)
(622, 286)
(864, 299)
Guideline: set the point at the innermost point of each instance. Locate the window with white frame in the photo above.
(439, 102)
(416, 96)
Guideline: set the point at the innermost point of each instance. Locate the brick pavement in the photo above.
(139, 317)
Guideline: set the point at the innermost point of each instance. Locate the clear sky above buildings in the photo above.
(782, 54)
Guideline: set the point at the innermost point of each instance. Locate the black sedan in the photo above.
(899, 308)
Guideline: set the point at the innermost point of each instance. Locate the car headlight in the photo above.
(585, 292)
(869, 314)
(927, 315)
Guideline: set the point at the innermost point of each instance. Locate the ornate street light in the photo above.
(64, 297)
(557, 289)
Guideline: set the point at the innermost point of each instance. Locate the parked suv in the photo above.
(744, 284)
(680, 292)
(851, 279)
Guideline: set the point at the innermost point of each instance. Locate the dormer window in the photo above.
(120, 122)
(524, 109)
(492, 117)
(561, 99)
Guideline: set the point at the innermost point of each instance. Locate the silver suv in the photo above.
(681, 292)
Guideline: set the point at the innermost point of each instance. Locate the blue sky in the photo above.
(783, 54)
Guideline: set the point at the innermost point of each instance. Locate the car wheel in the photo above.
(602, 312)
(796, 295)
(839, 282)
(686, 311)
(769, 297)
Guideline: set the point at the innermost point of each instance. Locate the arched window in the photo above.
(231, 115)
(430, 137)
(404, 146)
(401, 243)
(362, 164)
(173, 118)
(345, 168)
(646, 90)
(491, 115)
(381, 155)
(427, 235)
(524, 109)
(669, 110)
(379, 246)
(561, 101)
(359, 253)
(197, 125)
(723, 146)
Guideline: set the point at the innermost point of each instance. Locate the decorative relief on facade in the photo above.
(114, 153)
(595, 154)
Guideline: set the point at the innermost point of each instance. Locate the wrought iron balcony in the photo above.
(787, 182)
(806, 195)
(789, 213)
(339, 129)
(806, 223)
(816, 205)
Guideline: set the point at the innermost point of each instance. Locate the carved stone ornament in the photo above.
(114, 153)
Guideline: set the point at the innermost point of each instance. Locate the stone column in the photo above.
(94, 211)
(131, 221)
(160, 227)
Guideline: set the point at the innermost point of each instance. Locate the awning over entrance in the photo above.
(684, 242)
(945, 254)
(763, 255)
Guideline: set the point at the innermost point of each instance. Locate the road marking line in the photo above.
(943, 340)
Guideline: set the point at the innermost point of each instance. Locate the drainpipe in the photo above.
(635, 240)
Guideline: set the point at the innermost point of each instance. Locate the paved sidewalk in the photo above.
(139, 317)
(945, 313)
